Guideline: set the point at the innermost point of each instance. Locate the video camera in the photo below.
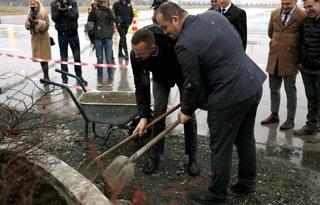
(33, 15)
(63, 4)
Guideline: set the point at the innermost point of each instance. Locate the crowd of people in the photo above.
(65, 15)
(211, 70)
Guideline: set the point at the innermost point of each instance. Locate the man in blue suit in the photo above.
(217, 72)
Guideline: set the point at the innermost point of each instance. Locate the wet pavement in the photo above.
(17, 75)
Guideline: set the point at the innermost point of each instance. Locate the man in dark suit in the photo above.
(215, 64)
(237, 18)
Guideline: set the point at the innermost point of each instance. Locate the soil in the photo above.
(108, 98)
(279, 180)
(21, 183)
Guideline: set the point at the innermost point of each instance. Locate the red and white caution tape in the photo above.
(95, 65)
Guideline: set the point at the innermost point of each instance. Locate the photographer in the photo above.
(101, 19)
(38, 24)
(65, 14)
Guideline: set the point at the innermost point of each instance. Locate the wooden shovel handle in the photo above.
(126, 140)
(152, 142)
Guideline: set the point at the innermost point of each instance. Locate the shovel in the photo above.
(121, 171)
(90, 168)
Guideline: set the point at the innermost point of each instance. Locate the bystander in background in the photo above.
(124, 16)
(101, 18)
(284, 27)
(65, 14)
(310, 67)
(38, 23)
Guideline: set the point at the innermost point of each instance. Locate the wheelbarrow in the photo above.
(116, 109)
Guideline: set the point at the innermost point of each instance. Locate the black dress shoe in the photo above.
(193, 168)
(273, 118)
(288, 124)
(204, 197)
(305, 130)
(152, 164)
(242, 189)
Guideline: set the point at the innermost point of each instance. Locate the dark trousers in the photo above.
(73, 41)
(291, 92)
(228, 127)
(123, 30)
(161, 96)
(312, 88)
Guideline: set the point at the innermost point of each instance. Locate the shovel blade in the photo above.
(89, 169)
(119, 173)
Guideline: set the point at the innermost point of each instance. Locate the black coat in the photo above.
(66, 22)
(164, 68)
(216, 62)
(310, 44)
(102, 21)
(123, 13)
(238, 19)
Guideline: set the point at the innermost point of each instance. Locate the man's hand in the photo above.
(183, 117)
(141, 127)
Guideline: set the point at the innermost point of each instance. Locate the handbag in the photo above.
(52, 43)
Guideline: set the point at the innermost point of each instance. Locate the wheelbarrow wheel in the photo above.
(108, 129)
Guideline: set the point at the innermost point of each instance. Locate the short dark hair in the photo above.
(170, 9)
(143, 35)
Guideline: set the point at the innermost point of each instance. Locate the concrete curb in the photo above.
(70, 184)
(75, 188)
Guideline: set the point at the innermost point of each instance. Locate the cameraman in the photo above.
(38, 24)
(65, 14)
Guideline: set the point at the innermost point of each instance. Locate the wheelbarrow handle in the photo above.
(45, 81)
(126, 140)
(70, 93)
(152, 142)
(73, 76)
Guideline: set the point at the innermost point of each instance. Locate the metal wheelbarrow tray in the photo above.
(116, 109)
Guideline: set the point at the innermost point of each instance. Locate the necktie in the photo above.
(285, 18)
(223, 10)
